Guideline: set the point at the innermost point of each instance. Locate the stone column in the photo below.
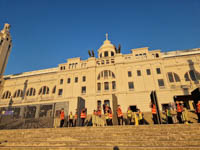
(22, 109)
(37, 113)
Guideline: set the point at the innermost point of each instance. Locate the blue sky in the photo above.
(47, 32)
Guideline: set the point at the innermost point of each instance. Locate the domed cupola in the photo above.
(107, 49)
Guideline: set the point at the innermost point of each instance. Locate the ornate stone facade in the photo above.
(131, 77)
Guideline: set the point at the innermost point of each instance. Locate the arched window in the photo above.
(192, 75)
(106, 54)
(44, 90)
(18, 93)
(6, 95)
(105, 74)
(31, 92)
(107, 78)
(112, 53)
(186, 76)
(173, 77)
(157, 55)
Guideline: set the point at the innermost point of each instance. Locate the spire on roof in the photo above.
(106, 36)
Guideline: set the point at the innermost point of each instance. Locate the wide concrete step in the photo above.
(100, 148)
(178, 127)
(102, 138)
(126, 137)
(103, 143)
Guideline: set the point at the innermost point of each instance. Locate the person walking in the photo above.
(119, 115)
(179, 110)
(129, 115)
(62, 117)
(198, 111)
(71, 119)
(83, 116)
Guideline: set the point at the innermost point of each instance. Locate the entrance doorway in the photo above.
(187, 101)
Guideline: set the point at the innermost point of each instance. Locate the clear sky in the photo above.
(47, 32)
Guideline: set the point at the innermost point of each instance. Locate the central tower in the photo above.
(107, 49)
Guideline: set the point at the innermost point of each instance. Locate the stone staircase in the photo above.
(143, 137)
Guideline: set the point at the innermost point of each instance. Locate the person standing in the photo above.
(140, 117)
(83, 116)
(129, 115)
(185, 115)
(110, 117)
(169, 116)
(94, 118)
(62, 117)
(99, 112)
(179, 111)
(119, 115)
(136, 118)
(198, 111)
(107, 118)
(70, 119)
(154, 114)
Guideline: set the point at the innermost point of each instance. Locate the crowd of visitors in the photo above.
(174, 113)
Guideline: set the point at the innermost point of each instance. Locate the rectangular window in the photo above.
(107, 61)
(138, 73)
(148, 72)
(161, 82)
(113, 85)
(99, 86)
(112, 61)
(99, 103)
(170, 76)
(60, 91)
(61, 81)
(107, 102)
(158, 71)
(76, 79)
(84, 78)
(68, 80)
(130, 85)
(83, 90)
(129, 74)
(106, 85)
